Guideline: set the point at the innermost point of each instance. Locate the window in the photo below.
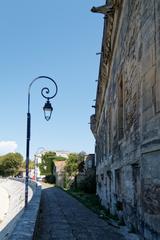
(120, 109)
(118, 182)
(136, 183)
(110, 131)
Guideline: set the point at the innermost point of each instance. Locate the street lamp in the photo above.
(47, 114)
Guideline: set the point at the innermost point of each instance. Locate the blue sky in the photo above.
(58, 39)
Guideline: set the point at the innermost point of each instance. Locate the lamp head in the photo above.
(47, 110)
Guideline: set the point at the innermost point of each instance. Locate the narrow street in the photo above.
(64, 218)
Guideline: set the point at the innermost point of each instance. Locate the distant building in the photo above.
(59, 172)
(59, 167)
(126, 123)
(89, 162)
(38, 160)
(86, 178)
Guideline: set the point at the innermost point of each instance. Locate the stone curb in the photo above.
(25, 225)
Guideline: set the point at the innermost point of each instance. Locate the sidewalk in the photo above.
(64, 218)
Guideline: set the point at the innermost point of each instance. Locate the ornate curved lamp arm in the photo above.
(44, 92)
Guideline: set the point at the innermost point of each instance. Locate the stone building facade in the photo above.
(126, 123)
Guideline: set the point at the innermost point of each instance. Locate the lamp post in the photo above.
(47, 114)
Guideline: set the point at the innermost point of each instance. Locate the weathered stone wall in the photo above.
(18, 221)
(127, 117)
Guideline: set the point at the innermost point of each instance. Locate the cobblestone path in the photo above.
(64, 218)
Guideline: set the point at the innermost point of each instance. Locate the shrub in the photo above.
(88, 185)
(50, 179)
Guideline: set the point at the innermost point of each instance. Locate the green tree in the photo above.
(47, 163)
(31, 164)
(72, 167)
(81, 156)
(72, 164)
(10, 164)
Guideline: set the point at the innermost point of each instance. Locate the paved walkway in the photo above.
(64, 218)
